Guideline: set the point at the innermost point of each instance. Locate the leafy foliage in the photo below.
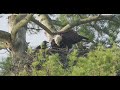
(100, 62)
(48, 66)
(5, 66)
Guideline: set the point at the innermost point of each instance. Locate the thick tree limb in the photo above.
(5, 36)
(19, 17)
(83, 21)
(2, 46)
(46, 21)
(20, 24)
(49, 23)
(75, 23)
(41, 25)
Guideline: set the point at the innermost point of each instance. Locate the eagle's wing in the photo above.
(72, 37)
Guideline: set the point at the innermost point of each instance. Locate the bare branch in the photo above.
(83, 21)
(19, 17)
(41, 25)
(34, 28)
(49, 22)
(5, 36)
(2, 46)
(46, 21)
(20, 24)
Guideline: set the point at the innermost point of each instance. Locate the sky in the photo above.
(34, 40)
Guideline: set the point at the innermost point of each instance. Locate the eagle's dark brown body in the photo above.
(68, 39)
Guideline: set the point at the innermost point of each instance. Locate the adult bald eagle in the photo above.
(66, 39)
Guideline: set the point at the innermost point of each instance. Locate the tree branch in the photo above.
(2, 46)
(83, 21)
(46, 21)
(41, 25)
(34, 28)
(19, 17)
(49, 23)
(73, 24)
(20, 24)
(5, 36)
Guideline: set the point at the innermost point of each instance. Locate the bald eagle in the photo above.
(66, 39)
(42, 46)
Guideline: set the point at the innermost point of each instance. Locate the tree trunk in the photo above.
(45, 20)
(18, 47)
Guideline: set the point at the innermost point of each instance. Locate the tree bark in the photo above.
(19, 45)
(5, 40)
(46, 21)
(41, 25)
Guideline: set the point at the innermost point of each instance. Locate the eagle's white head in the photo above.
(57, 39)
